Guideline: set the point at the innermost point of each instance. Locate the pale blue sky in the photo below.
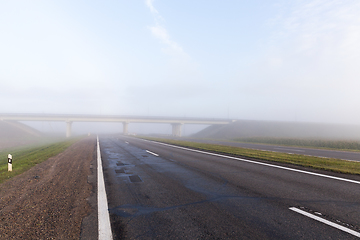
(263, 60)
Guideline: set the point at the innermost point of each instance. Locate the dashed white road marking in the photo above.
(255, 162)
(152, 153)
(126, 142)
(352, 232)
(104, 227)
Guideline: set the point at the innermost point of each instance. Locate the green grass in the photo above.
(26, 157)
(328, 164)
(313, 143)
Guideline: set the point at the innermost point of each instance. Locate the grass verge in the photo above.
(346, 145)
(328, 164)
(26, 157)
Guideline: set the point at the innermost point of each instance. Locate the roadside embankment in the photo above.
(15, 134)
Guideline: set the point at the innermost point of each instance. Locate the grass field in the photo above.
(313, 143)
(26, 157)
(328, 164)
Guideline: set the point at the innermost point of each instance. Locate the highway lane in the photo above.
(345, 155)
(156, 191)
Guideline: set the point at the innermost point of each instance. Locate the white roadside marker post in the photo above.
(9, 163)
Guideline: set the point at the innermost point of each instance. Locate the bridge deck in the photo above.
(111, 118)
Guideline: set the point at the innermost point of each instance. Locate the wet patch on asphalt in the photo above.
(135, 178)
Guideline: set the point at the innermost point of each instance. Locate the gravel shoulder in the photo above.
(50, 200)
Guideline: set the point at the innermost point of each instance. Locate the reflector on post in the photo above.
(9, 163)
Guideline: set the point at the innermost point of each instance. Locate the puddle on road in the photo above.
(120, 170)
(121, 163)
(135, 178)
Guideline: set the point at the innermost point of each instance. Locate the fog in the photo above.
(289, 61)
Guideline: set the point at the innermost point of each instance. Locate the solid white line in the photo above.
(325, 221)
(259, 163)
(152, 153)
(288, 149)
(103, 210)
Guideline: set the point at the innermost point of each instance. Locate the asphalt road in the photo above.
(353, 156)
(161, 192)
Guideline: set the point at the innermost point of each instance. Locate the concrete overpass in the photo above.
(125, 120)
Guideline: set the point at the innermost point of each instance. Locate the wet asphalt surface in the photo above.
(187, 195)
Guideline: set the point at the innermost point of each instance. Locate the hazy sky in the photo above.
(262, 60)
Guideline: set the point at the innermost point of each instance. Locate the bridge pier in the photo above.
(176, 129)
(125, 128)
(68, 128)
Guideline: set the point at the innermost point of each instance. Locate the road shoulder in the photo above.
(51, 199)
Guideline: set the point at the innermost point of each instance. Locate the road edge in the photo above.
(104, 226)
